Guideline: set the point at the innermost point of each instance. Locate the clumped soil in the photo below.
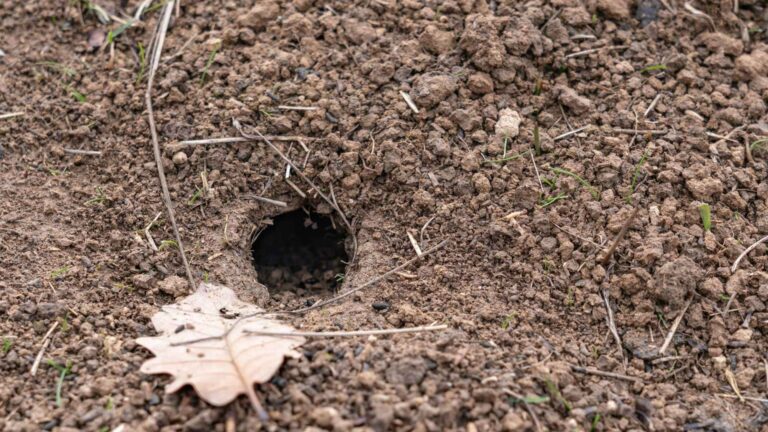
(520, 283)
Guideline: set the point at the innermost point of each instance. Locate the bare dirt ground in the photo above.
(673, 102)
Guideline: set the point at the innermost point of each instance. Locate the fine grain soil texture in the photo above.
(572, 194)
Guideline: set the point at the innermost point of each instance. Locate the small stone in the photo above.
(367, 379)
(675, 280)
(481, 183)
(260, 15)
(383, 416)
(89, 352)
(91, 415)
(480, 83)
(143, 281)
(578, 104)
(548, 243)
(180, 158)
(173, 285)
(47, 310)
(430, 90)
(743, 335)
(437, 41)
(512, 422)
(614, 9)
(325, 417)
(380, 305)
(439, 146)
(751, 66)
(719, 362)
(508, 124)
(407, 371)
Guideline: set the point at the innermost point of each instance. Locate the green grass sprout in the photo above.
(552, 199)
(211, 58)
(100, 198)
(507, 159)
(59, 272)
(635, 174)
(653, 68)
(706, 216)
(63, 371)
(584, 183)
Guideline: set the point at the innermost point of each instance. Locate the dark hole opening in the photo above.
(300, 252)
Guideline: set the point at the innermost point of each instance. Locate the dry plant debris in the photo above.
(220, 369)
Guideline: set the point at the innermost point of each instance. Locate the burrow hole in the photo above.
(301, 252)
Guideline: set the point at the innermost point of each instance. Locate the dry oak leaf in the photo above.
(219, 369)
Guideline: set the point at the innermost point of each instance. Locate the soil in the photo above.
(519, 284)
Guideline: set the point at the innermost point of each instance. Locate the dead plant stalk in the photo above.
(157, 50)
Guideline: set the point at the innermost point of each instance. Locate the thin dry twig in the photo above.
(306, 179)
(297, 108)
(160, 33)
(424, 228)
(46, 342)
(612, 327)
(597, 372)
(348, 333)
(230, 140)
(11, 115)
(748, 151)
(82, 152)
(571, 132)
(598, 245)
(151, 240)
(409, 101)
(268, 200)
(536, 169)
(619, 236)
(594, 50)
(699, 13)
(674, 327)
(749, 398)
(639, 131)
(415, 244)
(746, 251)
(652, 105)
(373, 281)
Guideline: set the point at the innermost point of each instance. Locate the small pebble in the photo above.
(180, 158)
(380, 305)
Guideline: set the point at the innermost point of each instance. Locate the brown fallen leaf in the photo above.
(219, 369)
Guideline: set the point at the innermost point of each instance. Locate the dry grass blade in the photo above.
(46, 342)
(612, 327)
(746, 251)
(373, 281)
(409, 102)
(731, 378)
(674, 327)
(698, 13)
(159, 38)
(619, 236)
(82, 152)
(223, 368)
(382, 332)
(11, 115)
(597, 372)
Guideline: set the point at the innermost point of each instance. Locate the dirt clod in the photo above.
(675, 280)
